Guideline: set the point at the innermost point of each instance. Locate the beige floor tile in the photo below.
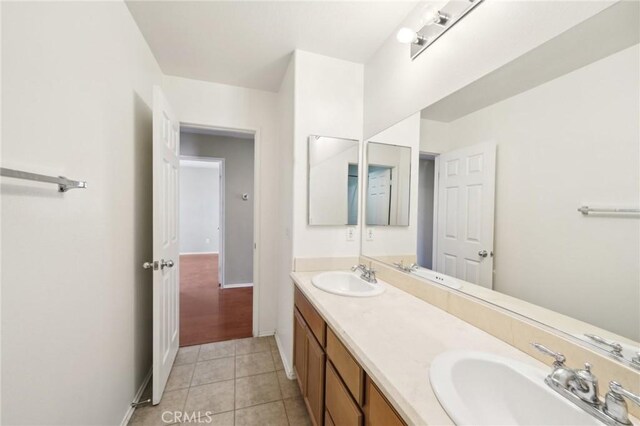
(277, 359)
(256, 363)
(222, 419)
(289, 388)
(215, 370)
(297, 412)
(187, 355)
(271, 414)
(217, 350)
(251, 345)
(151, 415)
(272, 342)
(254, 390)
(213, 397)
(180, 377)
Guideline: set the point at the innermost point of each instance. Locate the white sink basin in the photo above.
(437, 277)
(346, 284)
(477, 388)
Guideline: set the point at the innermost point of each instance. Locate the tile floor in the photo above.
(241, 382)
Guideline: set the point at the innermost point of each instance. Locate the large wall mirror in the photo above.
(527, 186)
(388, 184)
(333, 181)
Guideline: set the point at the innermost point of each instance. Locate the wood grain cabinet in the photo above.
(309, 357)
(336, 390)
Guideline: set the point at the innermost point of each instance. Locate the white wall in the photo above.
(219, 105)
(398, 240)
(286, 110)
(568, 142)
(495, 33)
(199, 207)
(328, 102)
(319, 96)
(77, 83)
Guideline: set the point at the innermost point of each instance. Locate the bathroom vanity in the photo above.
(367, 360)
(322, 362)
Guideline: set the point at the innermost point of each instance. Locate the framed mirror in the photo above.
(333, 180)
(388, 184)
(529, 187)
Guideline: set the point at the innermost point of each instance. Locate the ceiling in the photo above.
(249, 43)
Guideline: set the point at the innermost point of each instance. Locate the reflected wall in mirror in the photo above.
(333, 181)
(388, 184)
(506, 162)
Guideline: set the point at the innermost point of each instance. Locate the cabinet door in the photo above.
(378, 411)
(315, 379)
(341, 407)
(300, 351)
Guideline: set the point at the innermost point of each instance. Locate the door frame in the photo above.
(221, 206)
(257, 145)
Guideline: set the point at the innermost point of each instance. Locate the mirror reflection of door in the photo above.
(464, 224)
(379, 195)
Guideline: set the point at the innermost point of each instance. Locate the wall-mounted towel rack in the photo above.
(63, 183)
(585, 210)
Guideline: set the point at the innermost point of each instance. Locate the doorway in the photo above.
(426, 207)
(216, 235)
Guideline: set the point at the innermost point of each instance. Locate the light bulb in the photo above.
(430, 16)
(407, 36)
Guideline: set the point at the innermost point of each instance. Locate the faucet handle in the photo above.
(557, 356)
(616, 348)
(358, 266)
(614, 404)
(617, 388)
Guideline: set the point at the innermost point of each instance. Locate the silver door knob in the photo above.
(166, 263)
(483, 253)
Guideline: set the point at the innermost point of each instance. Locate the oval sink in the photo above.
(437, 277)
(346, 284)
(477, 388)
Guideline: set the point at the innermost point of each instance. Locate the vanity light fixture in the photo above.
(434, 23)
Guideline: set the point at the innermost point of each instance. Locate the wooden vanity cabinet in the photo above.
(309, 357)
(335, 388)
(377, 410)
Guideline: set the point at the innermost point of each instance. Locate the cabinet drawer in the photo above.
(342, 409)
(350, 371)
(311, 316)
(378, 411)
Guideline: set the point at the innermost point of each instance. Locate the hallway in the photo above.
(209, 313)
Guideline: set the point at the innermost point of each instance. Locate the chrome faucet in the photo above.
(368, 274)
(581, 388)
(406, 268)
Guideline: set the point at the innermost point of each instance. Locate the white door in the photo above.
(379, 197)
(166, 289)
(466, 188)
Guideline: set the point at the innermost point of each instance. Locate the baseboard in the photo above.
(136, 398)
(238, 285)
(199, 252)
(288, 367)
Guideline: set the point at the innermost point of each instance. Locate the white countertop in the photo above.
(395, 336)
